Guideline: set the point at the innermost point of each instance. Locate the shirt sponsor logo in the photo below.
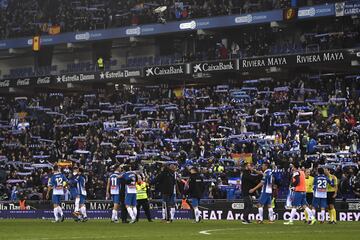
(133, 31)
(210, 67)
(158, 71)
(188, 25)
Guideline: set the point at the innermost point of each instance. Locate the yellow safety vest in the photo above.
(329, 187)
(141, 192)
(100, 63)
(309, 182)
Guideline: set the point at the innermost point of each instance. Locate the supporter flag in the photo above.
(238, 157)
(36, 43)
(53, 30)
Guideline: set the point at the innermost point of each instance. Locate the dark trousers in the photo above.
(168, 202)
(124, 212)
(144, 203)
(248, 206)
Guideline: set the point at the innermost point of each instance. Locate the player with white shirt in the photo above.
(130, 194)
(320, 193)
(113, 189)
(82, 192)
(57, 182)
(266, 193)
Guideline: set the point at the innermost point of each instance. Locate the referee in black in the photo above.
(250, 178)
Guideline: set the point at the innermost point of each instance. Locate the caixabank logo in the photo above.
(213, 66)
(164, 70)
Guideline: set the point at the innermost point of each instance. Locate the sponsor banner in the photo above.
(80, 77)
(4, 84)
(148, 29)
(216, 66)
(22, 82)
(316, 11)
(43, 80)
(168, 70)
(208, 214)
(347, 8)
(322, 57)
(328, 57)
(113, 75)
(263, 62)
(260, 17)
(210, 210)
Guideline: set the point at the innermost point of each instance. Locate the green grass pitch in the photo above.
(181, 229)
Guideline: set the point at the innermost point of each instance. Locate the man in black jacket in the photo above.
(195, 191)
(124, 213)
(166, 181)
(250, 178)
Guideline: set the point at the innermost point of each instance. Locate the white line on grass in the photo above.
(209, 232)
(83, 237)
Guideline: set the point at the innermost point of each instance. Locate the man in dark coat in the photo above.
(166, 182)
(195, 191)
(250, 178)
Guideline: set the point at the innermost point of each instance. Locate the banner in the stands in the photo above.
(316, 11)
(337, 9)
(165, 70)
(214, 66)
(327, 57)
(347, 8)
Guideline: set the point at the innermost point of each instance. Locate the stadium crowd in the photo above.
(310, 120)
(19, 18)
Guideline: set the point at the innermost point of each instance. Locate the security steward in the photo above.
(100, 62)
(142, 198)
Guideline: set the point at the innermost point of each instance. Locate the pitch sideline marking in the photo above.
(208, 232)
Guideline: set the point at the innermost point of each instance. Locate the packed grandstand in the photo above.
(208, 95)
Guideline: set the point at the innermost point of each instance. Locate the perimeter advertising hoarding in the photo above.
(165, 70)
(214, 66)
(347, 8)
(326, 57)
(211, 210)
(147, 29)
